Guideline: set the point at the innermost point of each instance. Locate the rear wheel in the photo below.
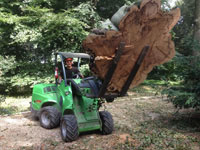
(107, 122)
(49, 117)
(69, 128)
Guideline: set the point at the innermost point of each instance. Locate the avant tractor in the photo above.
(74, 103)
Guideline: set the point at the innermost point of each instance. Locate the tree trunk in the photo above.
(144, 25)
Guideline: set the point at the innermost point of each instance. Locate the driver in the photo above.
(71, 71)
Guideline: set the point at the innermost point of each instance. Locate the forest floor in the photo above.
(142, 122)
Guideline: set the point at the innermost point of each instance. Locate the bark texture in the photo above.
(146, 25)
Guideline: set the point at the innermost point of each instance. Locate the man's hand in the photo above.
(59, 79)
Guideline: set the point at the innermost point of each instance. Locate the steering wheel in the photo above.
(76, 76)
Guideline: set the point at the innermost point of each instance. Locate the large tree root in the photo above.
(142, 26)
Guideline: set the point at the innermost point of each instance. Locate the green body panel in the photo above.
(62, 97)
(86, 112)
(67, 100)
(43, 94)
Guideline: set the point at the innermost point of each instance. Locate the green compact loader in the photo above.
(74, 103)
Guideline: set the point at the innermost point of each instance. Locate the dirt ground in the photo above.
(140, 123)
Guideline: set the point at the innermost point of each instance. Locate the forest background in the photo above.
(31, 31)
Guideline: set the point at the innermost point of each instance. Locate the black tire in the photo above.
(107, 122)
(49, 117)
(69, 128)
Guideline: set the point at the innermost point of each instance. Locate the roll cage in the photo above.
(64, 55)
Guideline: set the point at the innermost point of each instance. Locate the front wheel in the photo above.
(49, 117)
(69, 128)
(107, 122)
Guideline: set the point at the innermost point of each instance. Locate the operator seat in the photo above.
(93, 84)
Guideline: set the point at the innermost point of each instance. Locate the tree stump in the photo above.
(146, 25)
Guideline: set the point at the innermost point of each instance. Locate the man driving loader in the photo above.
(71, 71)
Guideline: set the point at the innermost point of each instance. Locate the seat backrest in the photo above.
(94, 86)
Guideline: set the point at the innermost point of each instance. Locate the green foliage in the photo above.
(85, 12)
(42, 35)
(85, 70)
(57, 5)
(185, 28)
(32, 31)
(6, 64)
(185, 69)
(2, 98)
(187, 94)
(107, 8)
(19, 77)
(171, 71)
(41, 31)
(187, 66)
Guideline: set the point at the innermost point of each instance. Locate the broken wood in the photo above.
(142, 26)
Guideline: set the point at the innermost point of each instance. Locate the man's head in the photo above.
(69, 62)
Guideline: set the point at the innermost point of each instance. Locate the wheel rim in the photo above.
(45, 118)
